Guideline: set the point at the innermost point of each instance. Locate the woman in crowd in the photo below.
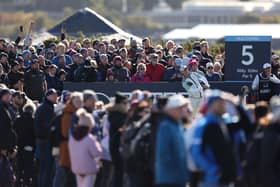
(140, 75)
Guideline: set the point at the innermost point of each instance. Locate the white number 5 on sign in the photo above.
(247, 53)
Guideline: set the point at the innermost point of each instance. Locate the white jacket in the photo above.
(192, 86)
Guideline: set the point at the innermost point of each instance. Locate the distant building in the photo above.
(196, 12)
(214, 32)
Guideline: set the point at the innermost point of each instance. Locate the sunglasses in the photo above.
(210, 68)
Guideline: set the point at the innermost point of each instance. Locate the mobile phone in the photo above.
(21, 28)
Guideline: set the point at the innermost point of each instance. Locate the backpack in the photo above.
(136, 146)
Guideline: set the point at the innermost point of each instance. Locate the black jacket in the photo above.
(270, 156)
(44, 117)
(7, 134)
(24, 127)
(116, 117)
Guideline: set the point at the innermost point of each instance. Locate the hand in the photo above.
(31, 25)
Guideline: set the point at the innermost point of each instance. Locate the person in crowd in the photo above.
(173, 73)
(7, 134)
(51, 78)
(169, 48)
(86, 72)
(35, 84)
(140, 75)
(270, 146)
(3, 75)
(211, 149)
(75, 102)
(24, 127)
(218, 69)
(146, 44)
(103, 67)
(170, 161)
(192, 85)
(15, 77)
(161, 60)
(133, 50)
(49, 55)
(42, 124)
(206, 57)
(120, 73)
(4, 61)
(210, 74)
(155, 70)
(253, 169)
(90, 98)
(77, 61)
(116, 116)
(121, 43)
(17, 102)
(265, 83)
(61, 63)
(193, 63)
(195, 48)
(26, 54)
(60, 51)
(139, 58)
(84, 150)
(275, 66)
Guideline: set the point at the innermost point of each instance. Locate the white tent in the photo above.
(218, 31)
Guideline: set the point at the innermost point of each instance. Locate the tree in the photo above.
(248, 18)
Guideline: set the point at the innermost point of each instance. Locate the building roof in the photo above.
(218, 31)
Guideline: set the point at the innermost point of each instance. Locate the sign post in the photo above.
(245, 56)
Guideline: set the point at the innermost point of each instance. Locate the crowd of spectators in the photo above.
(39, 67)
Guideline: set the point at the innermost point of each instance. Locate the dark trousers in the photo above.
(25, 168)
(106, 174)
(139, 180)
(118, 175)
(45, 163)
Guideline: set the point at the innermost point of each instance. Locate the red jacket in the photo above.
(137, 78)
(155, 72)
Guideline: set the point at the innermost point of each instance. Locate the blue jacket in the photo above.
(211, 151)
(170, 154)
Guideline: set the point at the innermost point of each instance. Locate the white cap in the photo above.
(85, 118)
(176, 101)
(266, 65)
(209, 64)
